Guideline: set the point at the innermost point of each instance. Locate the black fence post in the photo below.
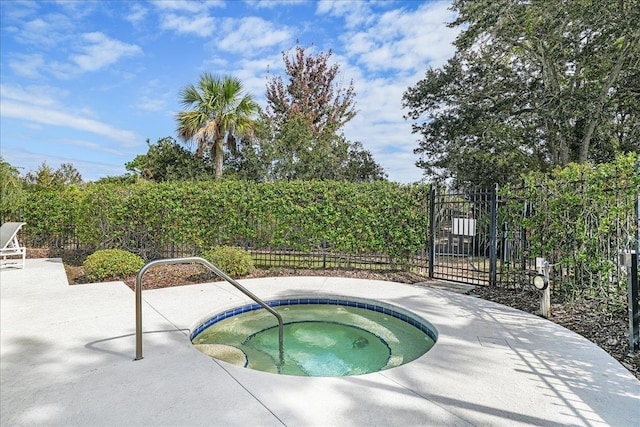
(631, 260)
(324, 254)
(523, 238)
(432, 230)
(633, 300)
(493, 242)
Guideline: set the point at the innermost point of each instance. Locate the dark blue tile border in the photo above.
(317, 301)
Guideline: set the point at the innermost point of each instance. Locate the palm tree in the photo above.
(217, 113)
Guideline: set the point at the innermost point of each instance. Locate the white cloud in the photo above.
(137, 13)
(27, 65)
(45, 31)
(45, 96)
(192, 6)
(49, 116)
(95, 52)
(37, 25)
(202, 26)
(19, 10)
(355, 13)
(78, 10)
(255, 74)
(271, 4)
(252, 72)
(152, 103)
(188, 17)
(403, 41)
(379, 122)
(400, 167)
(93, 146)
(153, 97)
(250, 35)
(384, 60)
(101, 51)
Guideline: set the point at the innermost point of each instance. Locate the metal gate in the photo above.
(478, 238)
(463, 236)
(470, 242)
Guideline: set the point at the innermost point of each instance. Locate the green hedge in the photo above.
(381, 217)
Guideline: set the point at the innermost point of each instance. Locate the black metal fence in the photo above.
(142, 242)
(489, 238)
(323, 257)
(473, 240)
(463, 237)
(630, 261)
(481, 238)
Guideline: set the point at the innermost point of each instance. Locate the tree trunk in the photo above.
(606, 87)
(218, 156)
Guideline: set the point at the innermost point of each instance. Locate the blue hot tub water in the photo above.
(322, 337)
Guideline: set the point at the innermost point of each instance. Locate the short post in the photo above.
(541, 282)
(545, 303)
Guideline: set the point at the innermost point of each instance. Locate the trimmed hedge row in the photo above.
(378, 217)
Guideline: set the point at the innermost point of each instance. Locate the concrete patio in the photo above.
(66, 356)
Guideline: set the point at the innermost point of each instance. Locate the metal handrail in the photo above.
(220, 274)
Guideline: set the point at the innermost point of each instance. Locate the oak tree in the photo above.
(532, 85)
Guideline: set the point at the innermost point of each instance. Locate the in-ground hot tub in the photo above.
(323, 336)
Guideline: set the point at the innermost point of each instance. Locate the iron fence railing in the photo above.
(483, 238)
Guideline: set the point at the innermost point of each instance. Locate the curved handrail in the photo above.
(219, 273)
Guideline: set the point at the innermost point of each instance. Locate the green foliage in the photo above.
(119, 179)
(360, 166)
(166, 160)
(296, 153)
(235, 262)
(111, 264)
(50, 213)
(575, 217)
(306, 115)
(46, 177)
(128, 217)
(249, 161)
(532, 85)
(147, 218)
(11, 192)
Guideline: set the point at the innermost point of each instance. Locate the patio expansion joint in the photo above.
(185, 331)
(224, 368)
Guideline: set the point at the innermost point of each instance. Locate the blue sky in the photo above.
(88, 82)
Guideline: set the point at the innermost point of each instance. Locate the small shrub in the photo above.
(111, 264)
(232, 261)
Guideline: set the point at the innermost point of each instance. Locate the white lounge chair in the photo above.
(10, 246)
